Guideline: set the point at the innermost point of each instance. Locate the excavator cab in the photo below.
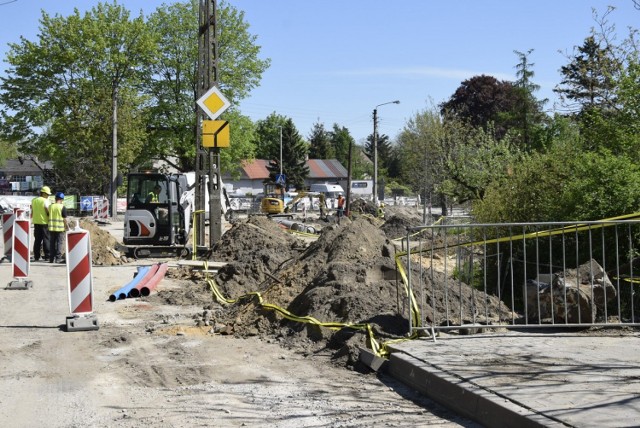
(155, 215)
(272, 202)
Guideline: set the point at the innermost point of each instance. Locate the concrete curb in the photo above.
(462, 396)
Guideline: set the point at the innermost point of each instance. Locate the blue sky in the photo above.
(334, 61)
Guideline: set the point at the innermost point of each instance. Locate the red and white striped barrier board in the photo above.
(80, 281)
(20, 254)
(101, 209)
(7, 231)
(21, 241)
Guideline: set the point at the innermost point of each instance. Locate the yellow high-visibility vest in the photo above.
(39, 211)
(56, 221)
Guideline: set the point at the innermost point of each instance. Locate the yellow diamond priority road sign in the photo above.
(213, 103)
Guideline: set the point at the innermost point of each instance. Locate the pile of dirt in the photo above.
(397, 225)
(105, 249)
(360, 206)
(346, 276)
(343, 277)
(255, 250)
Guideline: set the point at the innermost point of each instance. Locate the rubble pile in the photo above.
(105, 248)
(360, 206)
(573, 296)
(255, 250)
(397, 225)
(347, 275)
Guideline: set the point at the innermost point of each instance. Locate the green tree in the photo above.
(294, 158)
(385, 153)
(473, 159)
(563, 183)
(59, 93)
(7, 151)
(482, 101)
(60, 90)
(267, 136)
(527, 116)
(320, 146)
(361, 166)
(341, 139)
(588, 80)
(420, 152)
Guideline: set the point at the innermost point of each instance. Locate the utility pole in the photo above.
(282, 187)
(375, 149)
(375, 156)
(114, 154)
(348, 201)
(207, 163)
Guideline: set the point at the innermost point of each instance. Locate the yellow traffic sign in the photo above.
(213, 103)
(215, 133)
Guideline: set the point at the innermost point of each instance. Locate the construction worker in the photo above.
(40, 220)
(340, 210)
(57, 226)
(154, 196)
(381, 210)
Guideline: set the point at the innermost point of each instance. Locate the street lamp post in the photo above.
(280, 150)
(282, 187)
(375, 149)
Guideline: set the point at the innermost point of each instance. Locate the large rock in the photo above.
(573, 296)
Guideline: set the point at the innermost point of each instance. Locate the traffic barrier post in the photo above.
(7, 231)
(80, 281)
(20, 261)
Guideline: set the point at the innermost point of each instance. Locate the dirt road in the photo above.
(148, 365)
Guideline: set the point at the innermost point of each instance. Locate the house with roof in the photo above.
(23, 176)
(252, 175)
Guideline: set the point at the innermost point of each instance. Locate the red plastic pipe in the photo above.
(145, 289)
(135, 291)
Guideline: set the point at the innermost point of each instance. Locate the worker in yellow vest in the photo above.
(40, 220)
(57, 226)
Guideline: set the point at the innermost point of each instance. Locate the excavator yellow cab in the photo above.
(272, 202)
(271, 205)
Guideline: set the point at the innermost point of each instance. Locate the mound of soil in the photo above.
(256, 250)
(348, 276)
(105, 248)
(397, 225)
(360, 206)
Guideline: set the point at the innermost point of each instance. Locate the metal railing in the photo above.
(521, 275)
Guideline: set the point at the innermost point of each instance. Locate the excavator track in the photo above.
(147, 252)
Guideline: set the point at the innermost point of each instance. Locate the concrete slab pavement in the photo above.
(528, 379)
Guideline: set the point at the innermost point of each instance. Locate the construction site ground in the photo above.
(149, 364)
(176, 358)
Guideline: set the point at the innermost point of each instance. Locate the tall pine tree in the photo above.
(340, 140)
(320, 146)
(294, 158)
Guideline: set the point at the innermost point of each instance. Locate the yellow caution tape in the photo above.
(373, 343)
(415, 316)
(382, 350)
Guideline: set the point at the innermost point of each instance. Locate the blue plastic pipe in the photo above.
(124, 291)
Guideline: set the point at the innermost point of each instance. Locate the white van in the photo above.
(330, 190)
(362, 189)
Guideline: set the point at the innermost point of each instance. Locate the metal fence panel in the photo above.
(521, 275)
